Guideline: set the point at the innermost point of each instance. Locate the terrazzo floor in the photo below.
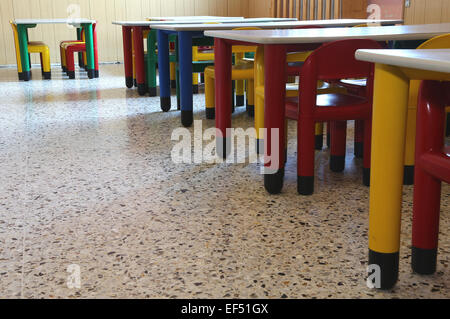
(88, 180)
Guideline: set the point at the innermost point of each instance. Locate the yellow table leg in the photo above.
(388, 153)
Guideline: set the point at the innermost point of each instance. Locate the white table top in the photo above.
(271, 24)
(403, 32)
(192, 18)
(437, 60)
(200, 22)
(53, 21)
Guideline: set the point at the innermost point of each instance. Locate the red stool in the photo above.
(337, 108)
(432, 167)
(75, 47)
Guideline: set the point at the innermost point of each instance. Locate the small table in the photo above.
(137, 41)
(394, 69)
(185, 34)
(22, 29)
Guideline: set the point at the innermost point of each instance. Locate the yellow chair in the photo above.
(33, 47)
(439, 42)
(242, 70)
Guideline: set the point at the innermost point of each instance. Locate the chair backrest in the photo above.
(439, 42)
(307, 9)
(336, 60)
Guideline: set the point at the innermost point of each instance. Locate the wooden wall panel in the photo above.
(427, 11)
(104, 11)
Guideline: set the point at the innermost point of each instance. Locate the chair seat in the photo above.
(324, 100)
(75, 46)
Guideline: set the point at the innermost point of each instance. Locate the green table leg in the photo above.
(80, 54)
(90, 68)
(152, 60)
(24, 54)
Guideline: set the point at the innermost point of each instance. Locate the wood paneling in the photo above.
(427, 11)
(104, 11)
(300, 9)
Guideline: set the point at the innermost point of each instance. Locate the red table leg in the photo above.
(274, 116)
(222, 51)
(138, 42)
(127, 56)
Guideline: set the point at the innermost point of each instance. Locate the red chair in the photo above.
(310, 108)
(432, 167)
(75, 47)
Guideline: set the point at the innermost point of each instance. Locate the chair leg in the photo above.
(328, 134)
(305, 156)
(359, 138)
(210, 96)
(319, 137)
(447, 129)
(367, 151)
(259, 123)
(70, 63)
(251, 97)
(338, 145)
(195, 83)
(427, 190)
(46, 66)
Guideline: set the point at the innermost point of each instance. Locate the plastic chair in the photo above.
(440, 42)
(33, 47)
(295, 61)
(241, 70)
(432, 168)
(310, 107)
(75, 47)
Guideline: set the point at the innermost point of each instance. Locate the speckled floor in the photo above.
(87, 179)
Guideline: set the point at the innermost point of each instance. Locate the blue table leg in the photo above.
(164, 70)
(185, 47)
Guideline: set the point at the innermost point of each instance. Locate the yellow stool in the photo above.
(242, 70)
(33, 47)
(440, 42)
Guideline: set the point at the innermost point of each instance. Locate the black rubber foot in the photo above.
(26, 76)
(388, 264)
(152, 91)
(447, 131)
(20, 76)
(134, 82)
(47, 75)
(195, 89)
(240, 100)
(337, 163)
(210, 113)
(97, 73)
(223, 147)
(187, 117)
(259, 146)
(423, 261)
(71, 74)
(64, 69)
(251, 110)
(408, 178)
(319, 142)
(359, 149)
(366, 176)
(129, 82)
(142, 89)
(165, 104)
(91, 74)
(305, 185)
(173, 84)
(274, 182)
